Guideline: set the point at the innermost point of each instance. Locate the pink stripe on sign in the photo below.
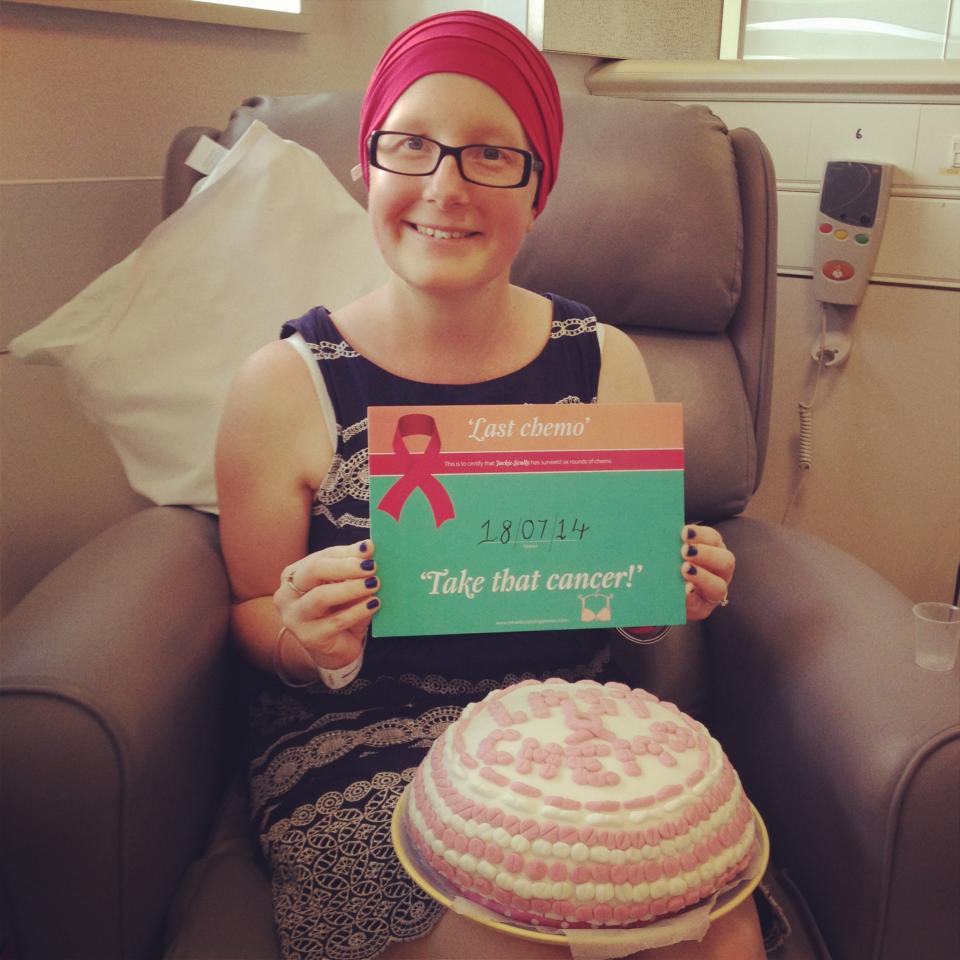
(536, 461)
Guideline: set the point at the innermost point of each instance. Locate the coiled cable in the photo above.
(805, 411)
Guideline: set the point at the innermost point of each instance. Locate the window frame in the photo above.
(188, 10)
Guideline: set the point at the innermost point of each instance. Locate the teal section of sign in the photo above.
(532, 551)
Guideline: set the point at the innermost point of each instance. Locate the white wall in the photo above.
(885, 481)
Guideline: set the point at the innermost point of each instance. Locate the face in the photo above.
(440, 233)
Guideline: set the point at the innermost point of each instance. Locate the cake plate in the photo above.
(440, 890)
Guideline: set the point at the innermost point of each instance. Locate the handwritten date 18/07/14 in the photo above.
(533, 531)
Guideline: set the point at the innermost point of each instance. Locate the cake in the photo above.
(579, 805)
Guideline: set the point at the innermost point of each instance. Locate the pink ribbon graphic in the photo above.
(418, 469)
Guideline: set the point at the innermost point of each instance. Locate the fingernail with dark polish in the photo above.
(364, 547)
(366, 564)
(691, 533)
(370, 582)
(691, 550)
(373, 604)
(691, 569)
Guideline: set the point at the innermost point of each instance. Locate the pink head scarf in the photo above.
(490, 50)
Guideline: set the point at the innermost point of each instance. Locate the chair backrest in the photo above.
(663, 221)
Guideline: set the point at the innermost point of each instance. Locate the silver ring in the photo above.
(288, 579)
(717, 603)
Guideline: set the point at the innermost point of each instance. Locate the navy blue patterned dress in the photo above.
(327, 767)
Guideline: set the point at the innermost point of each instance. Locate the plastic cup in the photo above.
(937, 632)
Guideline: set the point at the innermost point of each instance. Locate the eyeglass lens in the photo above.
(482, 163)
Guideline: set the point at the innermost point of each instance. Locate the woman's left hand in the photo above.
(707, 568)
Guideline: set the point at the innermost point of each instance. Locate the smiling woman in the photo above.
(459, 141)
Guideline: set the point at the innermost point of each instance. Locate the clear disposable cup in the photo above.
(937, 633)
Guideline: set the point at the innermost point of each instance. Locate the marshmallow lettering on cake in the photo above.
(580, 804)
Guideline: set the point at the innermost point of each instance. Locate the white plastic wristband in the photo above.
(333, 679)
(340, 676)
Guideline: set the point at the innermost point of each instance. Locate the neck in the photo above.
(463, 337)
(452, 322)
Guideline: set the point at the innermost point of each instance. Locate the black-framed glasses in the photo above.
(487, 164)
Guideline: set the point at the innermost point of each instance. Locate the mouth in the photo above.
(437, 233)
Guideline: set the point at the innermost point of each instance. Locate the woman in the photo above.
(329, 760)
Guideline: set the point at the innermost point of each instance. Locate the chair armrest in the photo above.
(112, 715)
(847, 748)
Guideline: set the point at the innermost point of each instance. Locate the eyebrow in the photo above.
(494, 135)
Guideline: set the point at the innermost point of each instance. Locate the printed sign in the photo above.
(526, 517)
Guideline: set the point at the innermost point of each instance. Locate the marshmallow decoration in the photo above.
(580, 805)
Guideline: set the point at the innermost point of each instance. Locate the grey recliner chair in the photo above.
(123, 828)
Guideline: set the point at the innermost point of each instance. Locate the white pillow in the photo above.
(152, 345)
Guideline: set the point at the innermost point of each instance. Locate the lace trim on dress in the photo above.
(325, 350)
(346, 479)
(348, 433)
(572, 327)
(287, 765)
(339, 890)
(311, 746)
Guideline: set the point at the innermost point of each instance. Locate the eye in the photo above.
(414, 144)
(491, 153)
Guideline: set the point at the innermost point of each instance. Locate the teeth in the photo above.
(442, 234)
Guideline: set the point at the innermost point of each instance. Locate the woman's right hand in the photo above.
(326, 600)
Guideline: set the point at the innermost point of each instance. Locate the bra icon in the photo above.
(598, 609)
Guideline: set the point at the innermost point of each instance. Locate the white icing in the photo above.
(517, 802)
(604, 820)
(579, 852)
(519, 844)
(567, 816)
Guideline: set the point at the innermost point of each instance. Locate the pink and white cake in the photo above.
(579, 805)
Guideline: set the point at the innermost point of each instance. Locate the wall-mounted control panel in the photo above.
(850, 220)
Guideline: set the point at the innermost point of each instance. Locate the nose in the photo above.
(445, 186)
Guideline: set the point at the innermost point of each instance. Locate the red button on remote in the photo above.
(838, 270)
(826, 228)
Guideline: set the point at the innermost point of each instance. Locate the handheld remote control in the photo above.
(850, 220)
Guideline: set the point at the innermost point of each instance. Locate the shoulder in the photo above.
(270, 412)
(623, 372)
(263, 378)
